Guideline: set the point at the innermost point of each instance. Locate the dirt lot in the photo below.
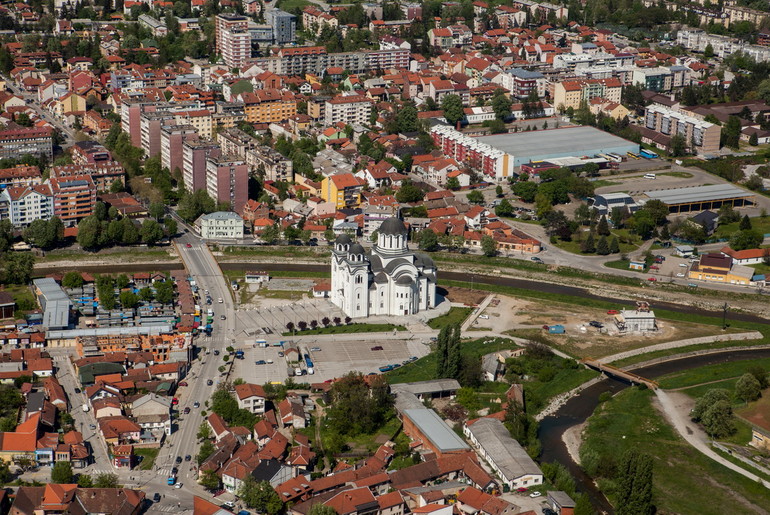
(463, 295)
(516, 316)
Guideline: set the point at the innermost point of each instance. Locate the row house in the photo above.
(21, 175)
(571, 93)
(33, 140)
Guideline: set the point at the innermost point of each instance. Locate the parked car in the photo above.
(594, 323)
(178, 485)
(654, 267)
(220, 300)
(692, 285)
(216, 353)
(269, 361)
(183, 383)
(260, 362)
(187, 458)
(683, 265)
(536, 259)
(222, 317)
(209, 382)
(77, 390)
(535, 494)
(613, 312)
(377, 347)
(484, 317)
(280, 354)
(680, 274)
(178, 460)
(189, 246)
(174, 401)
(315, 349)
(521, 489)
(156, 497)
(187, 410)
(196, 404)
(651, 279)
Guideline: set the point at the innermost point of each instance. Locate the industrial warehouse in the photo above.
(501, 155)
(701, 198)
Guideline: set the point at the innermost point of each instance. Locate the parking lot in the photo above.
(338, 355)
(671, 267)
(273, 320)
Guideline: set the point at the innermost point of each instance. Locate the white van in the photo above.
(649, 176)
(261, 343)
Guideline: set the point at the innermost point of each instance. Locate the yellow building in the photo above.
(269, 106)
(69, 103)
(342, 190)
(719, 268)
(200, 119)
(570, 93)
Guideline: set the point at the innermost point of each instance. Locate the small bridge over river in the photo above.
(619, 373)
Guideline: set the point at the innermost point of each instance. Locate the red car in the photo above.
(189, 246)
(613, 312)
(654, 267)
(652, 279)
(183, 383)
(521, 489)
(174, 401)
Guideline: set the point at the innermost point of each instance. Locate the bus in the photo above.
(616, 158)
(632, 155)
(171, 480)
(648, 154)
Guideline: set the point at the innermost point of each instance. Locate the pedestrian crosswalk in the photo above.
(167, 508)
(95, 472)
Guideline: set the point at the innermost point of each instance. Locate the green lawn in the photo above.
(148, 458)
(276, 250)
(681, 175)
(621, 264)
(761, 268)
(23, 297)
(456, 315)
(623, 235)
(288, 5)
(681, 350)
(760, 224)
(349, 328)
(684, 480)
(717, 372)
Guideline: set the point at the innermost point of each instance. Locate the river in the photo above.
(580, 407)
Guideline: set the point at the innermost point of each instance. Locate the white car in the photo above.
(220, 300)
(535, 494)
(680, 274)
(269, 361)
(484, 317)
(683, 265)
(178, 485)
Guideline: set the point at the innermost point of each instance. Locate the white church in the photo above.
(390, 280)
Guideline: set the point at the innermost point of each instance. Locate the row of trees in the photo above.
(161, 291)
(107, 227)
(314, 324)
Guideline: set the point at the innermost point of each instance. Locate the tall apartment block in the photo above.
(74, 198)
(150, 124)
(225, 22)
(227, 180)
(702, 136)
(171, 149)
(284, 25)
(348, 110)
(194, 155)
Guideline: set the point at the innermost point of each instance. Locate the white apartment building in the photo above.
(235, 46)
(698, 40)
(25, 204)
(251, 397)
(348, 110)
(220, 225)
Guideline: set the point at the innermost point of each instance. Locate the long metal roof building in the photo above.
(700, 198)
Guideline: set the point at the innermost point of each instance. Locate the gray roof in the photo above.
(556, 142)
(404, 280)
(425, 387)
(436, 430)
(698, 194)
(561, 498)
(55, 303)
(393, 226)
(509, 456)
(342, 239)
(221, 215)
(106, 331)
(356, 248)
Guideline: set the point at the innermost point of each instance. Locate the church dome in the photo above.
(356, 248)
(393, 227)
(342, 239)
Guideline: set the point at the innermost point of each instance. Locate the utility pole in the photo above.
(724, 316)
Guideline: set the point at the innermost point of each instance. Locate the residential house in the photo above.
(251, 397)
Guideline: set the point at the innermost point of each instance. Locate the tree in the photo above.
(678, 145)
(476, 197)
(442, 352)
(452, 106)
(488, 245)
(501, 105)
(270, 234)
(151, 232)
(499, 191)
(17, 267)
(157, 210)
(635, 484)
(209, 479)
(454, 354)
(72, 280)
(172, 227)
(745, 224)
(708, 52)
(760, 374)
(164, 292)
(409, 193)
(260, 496)
(428, 240)
(642, 223)
(747, 388)
(406, 118)
(603, 228)
(89, 230)
(731, 132)
(453, 183)
(40, 233)
(61, 473)
(358, 407)
(504, 208)
(130, 234)
(588, 246)
(526, 190)
(106, 480)
(128, 299)
(746, 239)
(85, 481)
(602, 247)
(145, 294)
(753, 139)
(718, 419)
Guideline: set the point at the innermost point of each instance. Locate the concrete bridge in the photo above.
(619, 373)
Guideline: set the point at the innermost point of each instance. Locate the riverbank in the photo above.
(573, 439)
